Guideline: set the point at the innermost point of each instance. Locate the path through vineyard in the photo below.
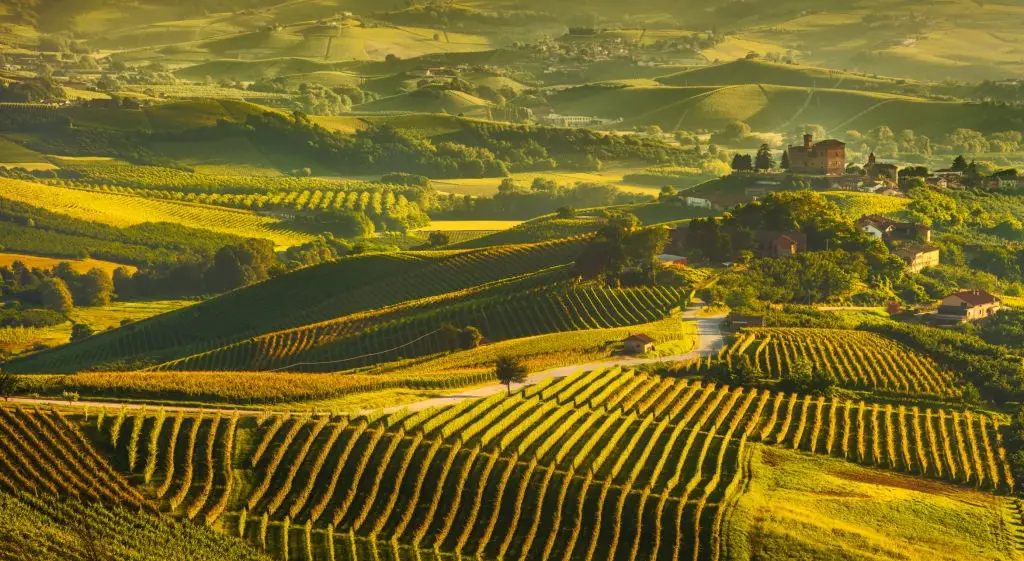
(709, 340)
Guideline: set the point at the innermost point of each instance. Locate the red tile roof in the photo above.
(976, 297)
(640, 338)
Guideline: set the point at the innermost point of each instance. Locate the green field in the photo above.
(126, 210)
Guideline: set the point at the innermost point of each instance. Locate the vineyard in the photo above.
(617, 464)
(125, 210)
(384, 207)
(412, 329)
(316, 294)
(857, 359)
(154, 178)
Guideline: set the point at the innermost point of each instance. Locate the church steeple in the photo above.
(871, 159)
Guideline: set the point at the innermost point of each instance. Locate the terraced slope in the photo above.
(329, 291)
(631, 465)
(506, 311)
(857, 359)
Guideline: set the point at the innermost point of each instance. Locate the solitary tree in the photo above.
(784, 164)
(764, 160)
(959, 164)
(438, 239)
(8, 384)
(510, 370)
(80, 331)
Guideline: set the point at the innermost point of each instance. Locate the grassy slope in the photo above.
(126, 210)
(763, 72)
(798, 506)
(429, 101)
(778, 108)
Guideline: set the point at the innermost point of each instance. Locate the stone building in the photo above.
(827, 157)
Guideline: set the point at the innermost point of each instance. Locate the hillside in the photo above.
(745, 71)
(771, 107)
(305, 297)
(661, 465)
(126, 210)
(430, 100)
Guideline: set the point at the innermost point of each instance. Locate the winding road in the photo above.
(709, 340)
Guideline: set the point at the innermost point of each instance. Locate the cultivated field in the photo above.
(634, 465)
(857, 359)
(127, 210)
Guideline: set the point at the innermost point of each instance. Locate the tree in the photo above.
(784, 164)
(56, 296)
(438, 239)
(96, 288)
(959, 164)
(510, 370)
(668, 192)
(470, 337)
(764, 160)
(565, 212)
(8, 384)
(80, 331)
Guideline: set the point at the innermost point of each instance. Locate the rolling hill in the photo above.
(305, 297)
(771, 107)
(744, 71)
(430, 100)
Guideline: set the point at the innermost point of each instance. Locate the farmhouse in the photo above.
(966, 306)
(918, 257)
(827, 157)
(573, 121)
(780, 244)
(638, 344)
(888, 230)
(696, 202)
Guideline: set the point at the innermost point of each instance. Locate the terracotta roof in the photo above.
(976, 297)
(640, 338)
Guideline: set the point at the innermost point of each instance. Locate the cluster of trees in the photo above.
(44, 297)
(884, 142)
(232, 266)
(986, 370)
(373, 150)
(30, 90)
(543, 196)
(622, 252)
(836, 259)
(763, 161)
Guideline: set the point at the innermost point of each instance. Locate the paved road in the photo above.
(710, 340)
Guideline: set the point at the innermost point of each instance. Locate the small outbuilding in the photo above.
(638, 344)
